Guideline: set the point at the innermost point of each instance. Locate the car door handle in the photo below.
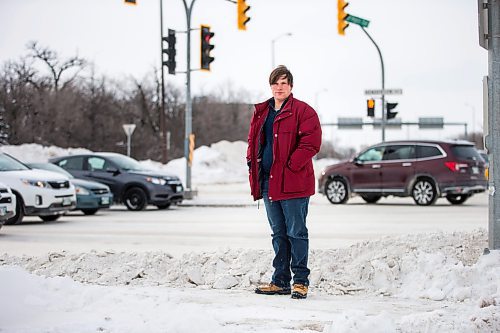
(376, 166)
(407, 164)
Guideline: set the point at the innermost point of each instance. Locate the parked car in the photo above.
(90, 196)
(424, 170)
(7, 204)
(38, 193)
(129, 181)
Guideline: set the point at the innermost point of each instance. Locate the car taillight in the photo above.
(455, 166)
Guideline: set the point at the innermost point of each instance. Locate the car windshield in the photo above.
(50, 167)
(126, 163)
(466, 152)
(8, 163)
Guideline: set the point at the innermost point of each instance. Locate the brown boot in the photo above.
(272, 289)
(299, 291)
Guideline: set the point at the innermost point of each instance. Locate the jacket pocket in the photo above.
(294, 181)
(283, 145)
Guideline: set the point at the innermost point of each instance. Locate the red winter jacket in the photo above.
(297, 138)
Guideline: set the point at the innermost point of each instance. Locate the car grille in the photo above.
(99, 190)
(59, 184)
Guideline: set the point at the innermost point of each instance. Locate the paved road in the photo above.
(203, 225)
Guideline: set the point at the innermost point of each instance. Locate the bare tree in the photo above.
(57, 67)
(70, 110)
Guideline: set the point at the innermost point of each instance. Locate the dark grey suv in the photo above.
(130, 182)
(424, 170)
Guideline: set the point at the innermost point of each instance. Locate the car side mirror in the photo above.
(114, 171)
(357, 161)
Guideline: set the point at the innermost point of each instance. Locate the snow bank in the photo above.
(221, 163)
(429, 266)
(414, 270)
(33, 153)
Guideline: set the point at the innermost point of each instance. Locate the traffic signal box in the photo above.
(243, 18)
(206, 47)
(370, 107)
(342, 15)
(170, 51)
(389, 107)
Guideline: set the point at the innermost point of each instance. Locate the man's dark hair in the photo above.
(279, 72)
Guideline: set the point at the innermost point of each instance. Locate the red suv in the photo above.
(424, 170)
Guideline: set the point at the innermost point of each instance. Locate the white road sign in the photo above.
(385, 91)
(129, 129)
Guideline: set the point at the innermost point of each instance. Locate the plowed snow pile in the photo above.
(433, 266)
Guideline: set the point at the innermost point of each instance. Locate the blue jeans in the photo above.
(287, 219)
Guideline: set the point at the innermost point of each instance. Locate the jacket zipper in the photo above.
(257, 157)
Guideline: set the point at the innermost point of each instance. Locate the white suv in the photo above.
(38, 193)
(7, 204)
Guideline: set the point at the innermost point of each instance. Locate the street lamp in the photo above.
(272, 45)
(316, 106)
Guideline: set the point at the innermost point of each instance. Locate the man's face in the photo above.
(281, 89)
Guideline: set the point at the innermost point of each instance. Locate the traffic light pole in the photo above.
(189, 106)
(384, 115)
(493, 137)
(163, 126)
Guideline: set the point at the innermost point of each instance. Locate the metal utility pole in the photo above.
(163, 125)
(384, 114)
(489, 38)
(344, 20)
(189, 106)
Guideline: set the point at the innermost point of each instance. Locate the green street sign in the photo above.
(357, 20)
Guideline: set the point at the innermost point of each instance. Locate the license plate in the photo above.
(105, 200)
(178, 188)
(475, 170)
(66, 201)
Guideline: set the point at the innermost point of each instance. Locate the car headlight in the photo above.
(80, 190)
(36, 183)
(157, 181)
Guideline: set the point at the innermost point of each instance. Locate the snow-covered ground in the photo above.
(435, 282)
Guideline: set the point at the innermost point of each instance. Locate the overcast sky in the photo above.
(430, 50)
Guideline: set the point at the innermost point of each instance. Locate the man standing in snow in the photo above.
(284, 135)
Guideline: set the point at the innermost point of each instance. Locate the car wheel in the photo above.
(457, 199)
(371, 198)
(424, 192)
(90, 211)
(18, 218)
(135, 199)
(164, 206)
(336, 191)
(49, 218)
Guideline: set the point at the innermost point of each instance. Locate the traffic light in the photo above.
(170, 51)
(342, 15)
(206, 47)
(389, 107)
(370, 107)
(243, 19)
